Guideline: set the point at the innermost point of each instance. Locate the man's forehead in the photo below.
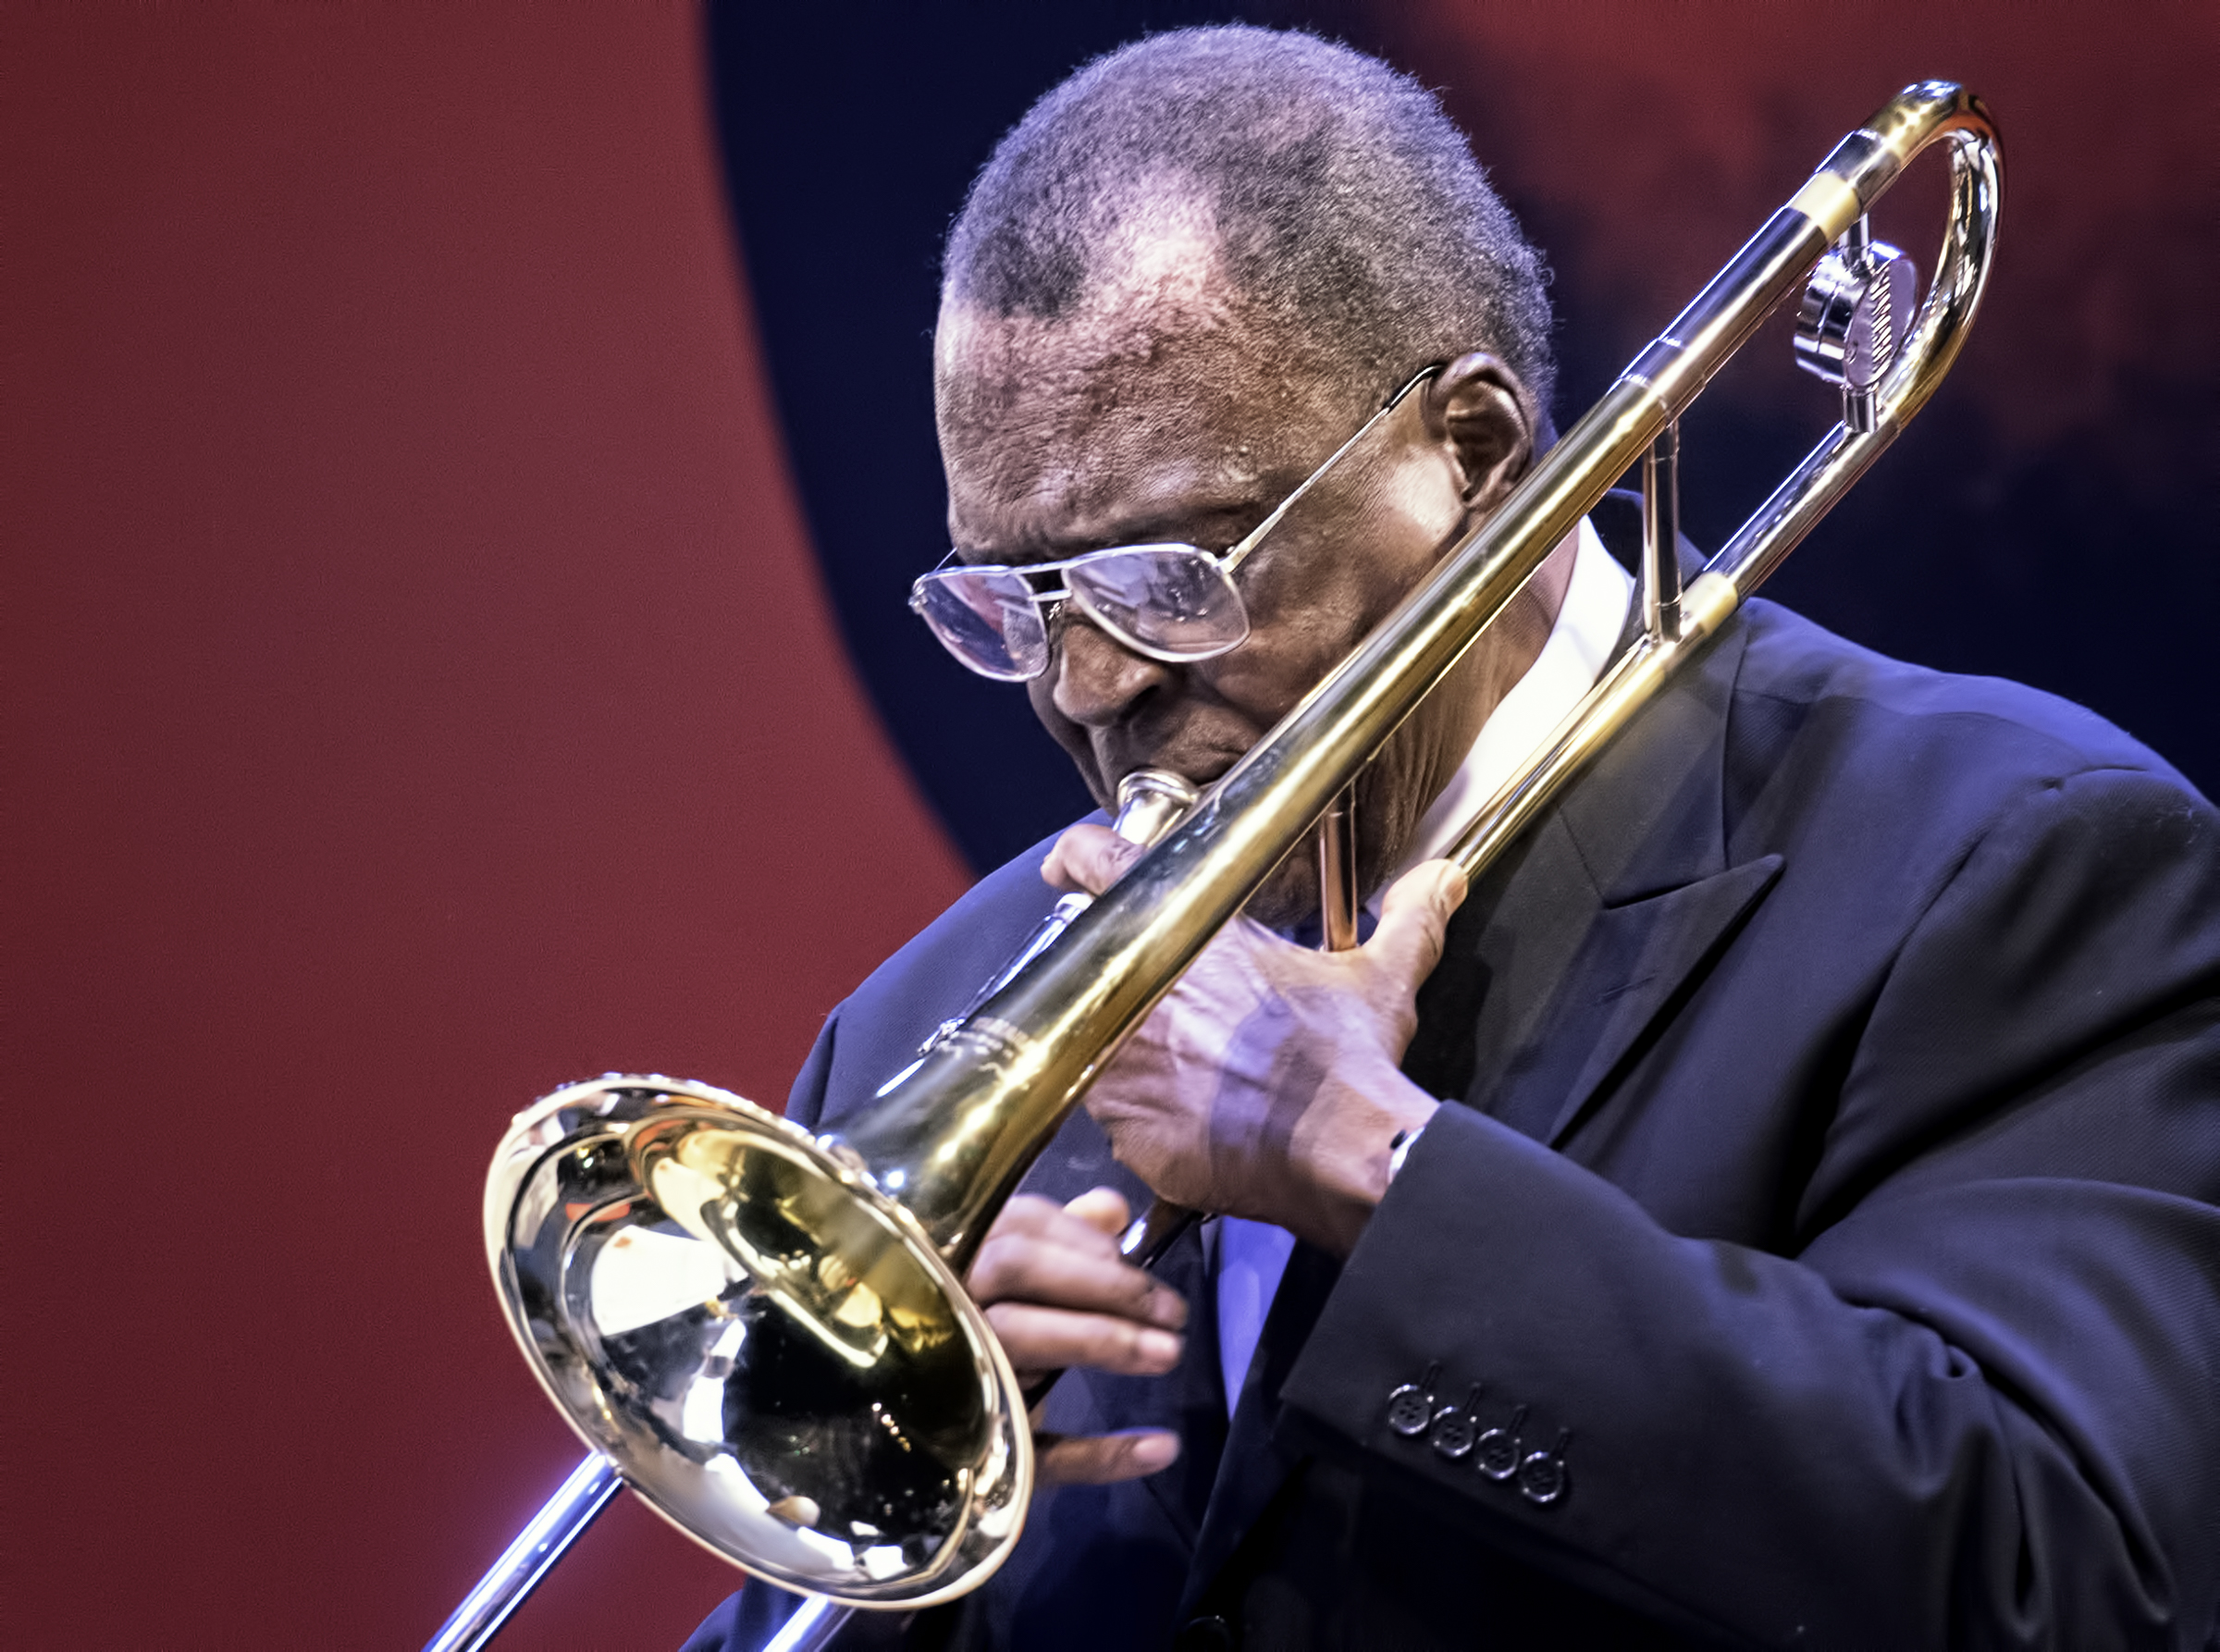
(1118, 474)
(1098, 503)
(1020, 369)
(1066, 433)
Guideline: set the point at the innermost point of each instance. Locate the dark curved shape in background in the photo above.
(2038, 524)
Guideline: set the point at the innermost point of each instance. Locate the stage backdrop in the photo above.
(435, 670)
(421, 694)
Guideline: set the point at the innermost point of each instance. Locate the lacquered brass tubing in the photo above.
(1660, 537)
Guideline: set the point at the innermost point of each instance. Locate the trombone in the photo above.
(765, 1333)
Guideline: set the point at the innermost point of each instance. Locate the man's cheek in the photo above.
(1077, 743)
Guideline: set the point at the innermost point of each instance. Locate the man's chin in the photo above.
(1288, 898)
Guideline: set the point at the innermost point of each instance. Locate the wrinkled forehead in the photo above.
(1077, 430)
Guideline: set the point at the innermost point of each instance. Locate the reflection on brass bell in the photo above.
(794, 1511)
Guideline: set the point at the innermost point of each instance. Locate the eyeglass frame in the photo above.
(1050, 604)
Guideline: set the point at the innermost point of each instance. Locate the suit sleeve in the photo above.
(805, 1099)
(1978, 1405)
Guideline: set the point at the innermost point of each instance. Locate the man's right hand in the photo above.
(1058, 1294)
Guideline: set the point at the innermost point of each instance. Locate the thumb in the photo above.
(1088, 859)
(1413, 915)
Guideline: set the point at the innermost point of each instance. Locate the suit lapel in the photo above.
(1197, 1412)
(1647, 828)
(1254, 1466)
(1638, 960)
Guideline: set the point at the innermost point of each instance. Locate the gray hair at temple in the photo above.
(1347, 210)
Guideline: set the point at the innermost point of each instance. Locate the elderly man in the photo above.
(1775, 1205)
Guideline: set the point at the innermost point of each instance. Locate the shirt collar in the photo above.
(1579, 646)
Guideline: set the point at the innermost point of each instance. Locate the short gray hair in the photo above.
(1348, 211)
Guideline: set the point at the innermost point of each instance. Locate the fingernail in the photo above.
(1155, 1451)
(1159, 1348)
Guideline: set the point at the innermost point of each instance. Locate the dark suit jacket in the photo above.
(1831, 1208)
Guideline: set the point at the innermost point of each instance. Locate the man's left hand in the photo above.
(1267, 1083)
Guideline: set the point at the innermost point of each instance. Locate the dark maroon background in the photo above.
(420, 694)
(420, 689)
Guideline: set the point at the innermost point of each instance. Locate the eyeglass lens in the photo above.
(988, 619)
(1168, 601)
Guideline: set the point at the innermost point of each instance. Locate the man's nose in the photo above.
(1097, 680)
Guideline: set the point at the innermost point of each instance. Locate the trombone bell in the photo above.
(785, 1367)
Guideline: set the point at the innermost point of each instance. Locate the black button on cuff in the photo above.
(1497, 1453)
(1456, 1426)
(1543, 1478)
(1411, 1407)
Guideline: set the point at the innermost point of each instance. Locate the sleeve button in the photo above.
(1543, 1477)
(1455, 1427)
(1411, 1407)
(1496, 1452)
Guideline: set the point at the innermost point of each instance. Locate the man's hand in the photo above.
(1268, 1084)
(1058, 1294)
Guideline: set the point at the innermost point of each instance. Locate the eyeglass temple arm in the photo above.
(1236, 553)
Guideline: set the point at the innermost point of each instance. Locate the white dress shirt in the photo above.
(1248, 1256)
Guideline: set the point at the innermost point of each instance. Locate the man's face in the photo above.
(1178, 424)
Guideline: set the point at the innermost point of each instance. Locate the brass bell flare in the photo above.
(783, 1363)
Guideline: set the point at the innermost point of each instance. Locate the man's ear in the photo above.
(1479, 410)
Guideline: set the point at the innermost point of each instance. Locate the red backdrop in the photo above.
(419, 696)
(419, 693)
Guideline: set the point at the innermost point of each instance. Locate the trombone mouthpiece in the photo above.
(1150, 802)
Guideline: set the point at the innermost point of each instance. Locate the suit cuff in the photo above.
(1454, 1344)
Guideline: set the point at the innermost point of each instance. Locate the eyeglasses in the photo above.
(1172, 602)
